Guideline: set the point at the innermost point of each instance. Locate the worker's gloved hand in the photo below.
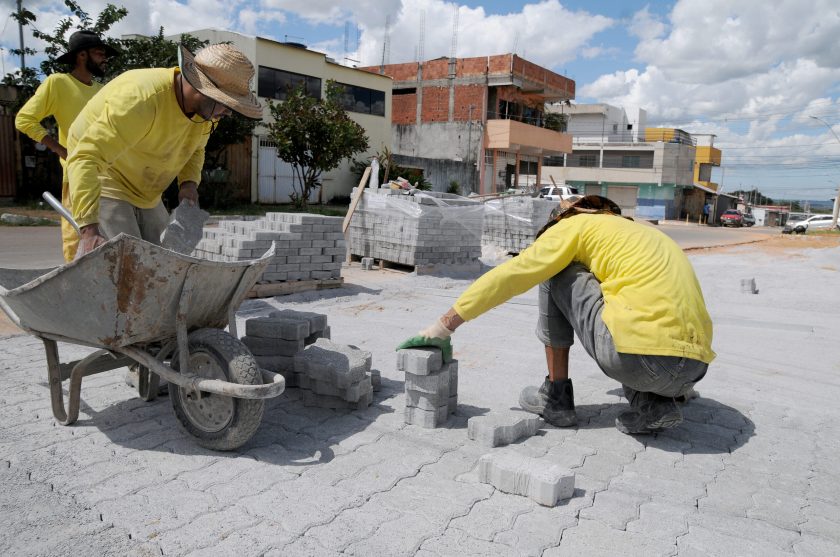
(435, 335)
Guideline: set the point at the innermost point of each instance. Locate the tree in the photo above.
(556, 122)
(314, 136)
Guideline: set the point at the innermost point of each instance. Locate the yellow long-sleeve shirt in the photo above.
(130, 141)
(653, 304)
(60, 95)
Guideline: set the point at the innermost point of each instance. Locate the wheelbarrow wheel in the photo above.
(218, 422)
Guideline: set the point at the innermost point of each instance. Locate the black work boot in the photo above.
(649, 412)
(554, 401)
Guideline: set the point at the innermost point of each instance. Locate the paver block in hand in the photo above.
(502, 428)
(537, 479)
(419, 361)
(184, 230)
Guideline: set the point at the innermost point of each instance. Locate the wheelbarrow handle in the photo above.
(56, 204)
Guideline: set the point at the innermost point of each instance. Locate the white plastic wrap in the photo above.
(512, 223)
(426, 228)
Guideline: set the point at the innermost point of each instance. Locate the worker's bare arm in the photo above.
(53, 145)
(189, 191)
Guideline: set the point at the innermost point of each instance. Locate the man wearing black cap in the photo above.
(63, 95)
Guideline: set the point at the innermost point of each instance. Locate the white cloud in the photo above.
(646, 26)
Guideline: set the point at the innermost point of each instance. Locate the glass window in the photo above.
(630, 161)
(587, 160)
(276, 84)
(361, 99)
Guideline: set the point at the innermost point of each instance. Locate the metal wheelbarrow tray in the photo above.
(140, 304)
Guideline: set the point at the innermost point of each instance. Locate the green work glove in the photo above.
(436, 336)
(444, 344)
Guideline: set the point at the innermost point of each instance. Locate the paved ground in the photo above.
(753, 471)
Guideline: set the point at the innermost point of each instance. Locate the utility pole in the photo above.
(836, 210)
(20, 30)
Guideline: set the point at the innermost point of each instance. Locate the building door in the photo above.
(276, 177)
(625, 197)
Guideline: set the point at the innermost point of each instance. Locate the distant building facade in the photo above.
(478, 121)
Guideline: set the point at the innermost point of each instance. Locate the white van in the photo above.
(558, 193)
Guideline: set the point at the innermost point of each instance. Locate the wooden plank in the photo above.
(270, 289)
(356, 198)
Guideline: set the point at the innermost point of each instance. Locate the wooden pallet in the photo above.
(270, 289)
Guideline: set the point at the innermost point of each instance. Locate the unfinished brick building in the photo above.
(476, 121)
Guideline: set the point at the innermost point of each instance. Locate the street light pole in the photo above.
(837, 196)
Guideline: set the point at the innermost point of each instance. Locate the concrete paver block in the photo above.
(326, 333)
(276, 363)
(426, 401)
(453, 404)
(367, 263)
(435, 383)
(272, 346)
(419, 361)
(375, 379)
(333, 363)
(453, 377)
(503, 428)
(426, 418)
(277, 327)
(184, 230)
(537, 479)
(317, 321)
(336, 403)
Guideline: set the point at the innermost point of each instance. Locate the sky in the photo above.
(751, 72)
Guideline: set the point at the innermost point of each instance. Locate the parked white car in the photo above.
(815, 222)
(558, 193)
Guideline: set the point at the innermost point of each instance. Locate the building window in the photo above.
(407, 91)
(630, 161)
(276, 84)
(588, 160)
(553, 161)
(361, 99)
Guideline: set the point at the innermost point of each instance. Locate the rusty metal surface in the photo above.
(125, 292)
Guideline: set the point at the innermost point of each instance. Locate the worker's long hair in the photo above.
(586, 205)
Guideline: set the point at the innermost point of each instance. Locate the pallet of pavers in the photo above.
(429, 231)
(512, 222)
(297, 345)
(309, 250)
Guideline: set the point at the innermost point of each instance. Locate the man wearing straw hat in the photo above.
(628, 293)
(143, 130)
(62, 96)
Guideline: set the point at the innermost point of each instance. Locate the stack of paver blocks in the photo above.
(431, 387)
(425, 229)
(309, 247)
(335, 376)
(512, 223)
(275, 340)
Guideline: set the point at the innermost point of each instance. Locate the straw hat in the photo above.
(224, 74)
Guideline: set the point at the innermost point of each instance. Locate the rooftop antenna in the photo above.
(386, 44)
(421, 54)
(346, 38)
(454, 50)
(515, 41)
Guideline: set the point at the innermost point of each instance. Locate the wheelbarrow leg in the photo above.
(147, 383)
(56, 393)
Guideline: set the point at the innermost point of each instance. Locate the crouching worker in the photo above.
(144, 129)
(629, 294)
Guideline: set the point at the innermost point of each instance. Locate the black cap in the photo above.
(83, 40)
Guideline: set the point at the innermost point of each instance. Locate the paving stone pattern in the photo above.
(512, 223)
(308, 247)
(428, 228)
(753, 470)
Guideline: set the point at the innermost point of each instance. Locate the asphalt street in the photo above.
(753, 470)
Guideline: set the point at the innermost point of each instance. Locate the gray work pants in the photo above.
(116, 216)
(571, 303)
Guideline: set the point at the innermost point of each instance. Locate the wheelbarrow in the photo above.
(140, 304)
